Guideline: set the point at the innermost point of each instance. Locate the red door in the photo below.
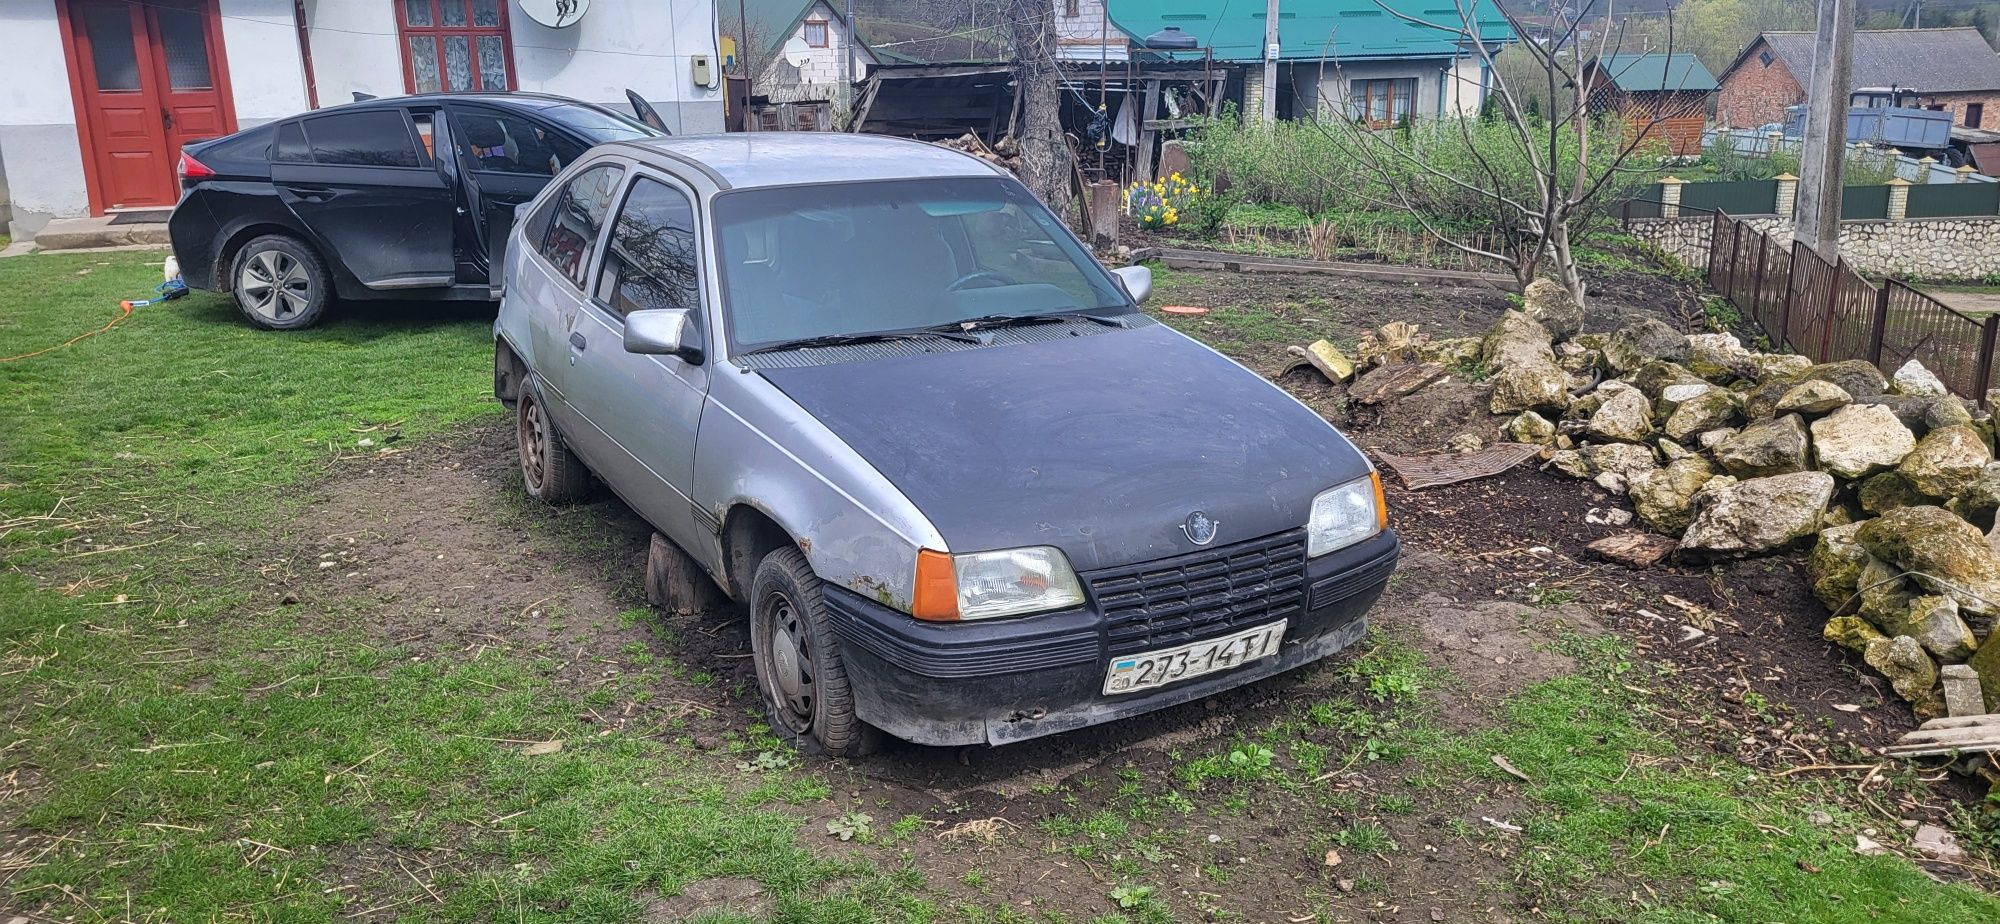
(148, 79)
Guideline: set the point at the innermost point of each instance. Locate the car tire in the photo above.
(550, 472)
(280, 283)
(800, 673)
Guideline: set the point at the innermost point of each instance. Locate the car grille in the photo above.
(1172, 601)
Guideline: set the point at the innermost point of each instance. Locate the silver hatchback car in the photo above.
(878, 395)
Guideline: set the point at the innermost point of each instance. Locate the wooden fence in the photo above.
(1828, 312)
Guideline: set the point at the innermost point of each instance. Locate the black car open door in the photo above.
(506, 156)
(645, 112)
(372, 194)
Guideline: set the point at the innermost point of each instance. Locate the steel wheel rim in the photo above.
(534, 445)
(787, 658)
(276, 284)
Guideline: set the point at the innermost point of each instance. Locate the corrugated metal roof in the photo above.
(1929, 60)
(1641, 73)
(1329, 29)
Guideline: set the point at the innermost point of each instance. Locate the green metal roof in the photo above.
(772, 22)
(1641, 73)
(1315, 29)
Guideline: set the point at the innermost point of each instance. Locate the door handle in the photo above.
(576, 340)
(310, 193)
(166, 119)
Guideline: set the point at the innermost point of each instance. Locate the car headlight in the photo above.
(985, 585)
(1346, 515)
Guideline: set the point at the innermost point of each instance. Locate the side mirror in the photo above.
(1137, 280)
(663, 332)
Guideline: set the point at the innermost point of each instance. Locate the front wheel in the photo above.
(799, 668)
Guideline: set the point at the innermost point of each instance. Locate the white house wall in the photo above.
(38, 140)
(354, 49)
(267, 78)
(648, 47)
(1457, 81)
(1087, 35)
(801, 71)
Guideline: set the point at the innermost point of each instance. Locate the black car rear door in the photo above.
(366, 185)
(506, 157)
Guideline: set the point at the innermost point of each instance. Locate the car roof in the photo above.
(747, 160)
(530, 100)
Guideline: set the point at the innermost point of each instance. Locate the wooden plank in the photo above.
(1975, 734)
(1145, 170)
(867, 102)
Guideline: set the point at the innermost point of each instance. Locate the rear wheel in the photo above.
(550, 472)
(799, 667)
(280, 284)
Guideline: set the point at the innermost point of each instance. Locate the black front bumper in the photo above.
(1014, 679)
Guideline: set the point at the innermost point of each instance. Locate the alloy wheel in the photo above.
(276, 284)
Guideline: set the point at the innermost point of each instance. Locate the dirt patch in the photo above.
(727, 895)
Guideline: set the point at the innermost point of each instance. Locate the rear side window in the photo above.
(651, 263)
(500, 142)
(373, 138)
(290, 146)
(576, 217)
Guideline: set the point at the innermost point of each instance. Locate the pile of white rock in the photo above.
(1890, 479)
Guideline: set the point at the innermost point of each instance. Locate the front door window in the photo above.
(150, 78)
(455, 45)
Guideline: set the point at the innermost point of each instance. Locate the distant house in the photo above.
(801, 46)
(1362, 58)
(1954, 70)
(1663, 96)
(1085, 33)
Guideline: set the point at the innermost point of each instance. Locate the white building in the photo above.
(102, 94)
(806, 43)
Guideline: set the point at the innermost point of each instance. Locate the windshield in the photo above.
(599, 125)
(896, 255)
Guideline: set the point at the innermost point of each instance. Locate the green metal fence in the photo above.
(1954, 200)
(1863, 203)
(1737, 197)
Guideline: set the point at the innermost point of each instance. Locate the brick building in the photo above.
(1954, 70)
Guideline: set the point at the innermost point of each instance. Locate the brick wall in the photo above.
(1756, 94)
(1955, 103)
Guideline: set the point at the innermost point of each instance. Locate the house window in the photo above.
(455, 45)
(1975, 114)
(815, 30)
(1764, 57)
(1381, 103)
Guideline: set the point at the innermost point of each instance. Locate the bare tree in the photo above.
(1045, 153)
(1535, 178)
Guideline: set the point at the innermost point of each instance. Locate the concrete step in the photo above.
(98, 231)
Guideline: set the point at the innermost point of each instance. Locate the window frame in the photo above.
(1362, 93)
(600, 300)
(437, 32)
(424, 159)
(1975, 113)
(825, 33)
(545, 215)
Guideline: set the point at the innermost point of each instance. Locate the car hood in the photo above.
(1101, 445)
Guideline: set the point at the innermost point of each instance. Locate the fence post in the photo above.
(1757, 287)
(1881, 325)
(1965, 173)
(1987, 331)
(1735, 254)
(1788, 195)
(1899, 198)
(1791, 283)
(1670, 196)
(1832, 306)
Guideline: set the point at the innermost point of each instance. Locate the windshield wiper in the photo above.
(990, 321)
(828, 340)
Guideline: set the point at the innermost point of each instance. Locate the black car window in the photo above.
(290, 147)
(651, 263)
(503, 142)
(577, 218)
(371, 138)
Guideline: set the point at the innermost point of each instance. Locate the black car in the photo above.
(407, 198)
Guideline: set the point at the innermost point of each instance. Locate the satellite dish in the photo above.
(555, 14)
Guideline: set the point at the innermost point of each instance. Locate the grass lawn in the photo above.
(180, 745)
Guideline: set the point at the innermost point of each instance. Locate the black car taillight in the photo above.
(191, 169)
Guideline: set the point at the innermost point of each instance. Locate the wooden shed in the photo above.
(1663, 96)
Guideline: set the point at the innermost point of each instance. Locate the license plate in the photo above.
(1132, 673)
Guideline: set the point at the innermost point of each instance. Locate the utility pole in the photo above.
(1270, 61)
(1824, 147)
(847, 85)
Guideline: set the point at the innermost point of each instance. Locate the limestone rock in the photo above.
(1813, 399)
(1670, 450)
(1962, 696)
(1719, 357)
(1697, 409)
(1835, 565)
(1914, 379)
(1860, 440)
(1517, 340)
(1664, 497)
(1761, 399)
(1709, 439)
(1982, 495)
(1613, 466)
(1643, 341)
(1547, 301)
(1576, 360)
(1655, 377)
(1570, 462)
(1911, 672)
(1330, 361)
(1934, 623)
(1530, 427)
(1885, 595)
(1946, 461)
(1850, 632)
(1946, 411)
(1451, 351)
(1773, 446)
(1986, 663)
(1948, 555)
(1625, 416)
(1857, 377)
(1888, 491)
(1774, 366)
(1528, 387)
(1757, 515)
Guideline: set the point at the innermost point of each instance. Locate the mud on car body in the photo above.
(882, 398)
